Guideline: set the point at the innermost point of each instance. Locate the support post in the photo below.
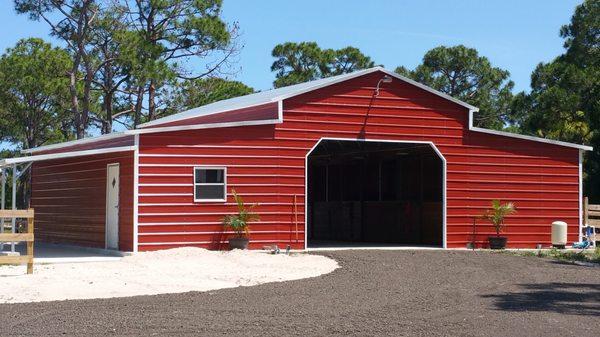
(585, 211)
(30, 246)
(296, 216)
(14, 203)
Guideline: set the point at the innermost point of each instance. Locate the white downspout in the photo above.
(3, 200)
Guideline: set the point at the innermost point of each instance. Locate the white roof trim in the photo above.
(201, 114)
(525, 137)
(76, 142)
(205, 126)
(20, 160)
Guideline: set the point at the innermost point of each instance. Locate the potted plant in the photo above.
(239, 223)
(496, 216)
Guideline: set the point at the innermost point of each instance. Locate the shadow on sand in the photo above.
(564, 298)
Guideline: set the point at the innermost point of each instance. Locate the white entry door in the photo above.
(112, 206)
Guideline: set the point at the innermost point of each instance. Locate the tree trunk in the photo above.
(87, 96)
(79, 129)
(137, 119)
(108, 100)
(151, 101)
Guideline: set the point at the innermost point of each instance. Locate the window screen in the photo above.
(209, 184)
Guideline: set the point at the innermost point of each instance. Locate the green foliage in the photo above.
(461, 73)
(498, 213)
(239, 222)
(561, 255)
(564, 102)
(33, 94)
(346, 60)
(194, 93)
(306, 61)
(126, 55)
(164, 34)
(551, 110)
(72, 22)
(582, 34)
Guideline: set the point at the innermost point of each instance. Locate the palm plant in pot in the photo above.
(239, 223)
(496, 216)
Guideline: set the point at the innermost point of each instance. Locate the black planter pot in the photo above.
(238, 243)
(497, 242)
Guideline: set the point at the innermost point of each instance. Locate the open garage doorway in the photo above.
(374, 193)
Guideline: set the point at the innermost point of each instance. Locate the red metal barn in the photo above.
(368, 157)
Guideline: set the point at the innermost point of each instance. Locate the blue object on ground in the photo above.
(581, 245)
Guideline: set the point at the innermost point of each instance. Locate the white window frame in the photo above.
(211, 184)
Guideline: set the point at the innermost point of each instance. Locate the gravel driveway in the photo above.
(374, 293)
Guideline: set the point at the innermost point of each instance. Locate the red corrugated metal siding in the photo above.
(69, 198)
(126, 140)
(260, 112)
(266, 166)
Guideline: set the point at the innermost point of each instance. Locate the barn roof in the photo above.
(205, 117)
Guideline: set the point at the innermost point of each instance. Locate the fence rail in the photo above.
(19, 237)
(591, 213)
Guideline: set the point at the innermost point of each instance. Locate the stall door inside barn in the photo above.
(374, 192)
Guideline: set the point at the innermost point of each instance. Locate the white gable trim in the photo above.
(233, 107)
(20, 160)
(107, 136)
(383, 70)
(524, 137)
(205, 126)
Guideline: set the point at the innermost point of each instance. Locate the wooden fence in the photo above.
(591, 214)
(19, 237)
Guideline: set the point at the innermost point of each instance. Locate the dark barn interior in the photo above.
(374, 192)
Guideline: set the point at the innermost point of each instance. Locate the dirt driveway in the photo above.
(375, 293)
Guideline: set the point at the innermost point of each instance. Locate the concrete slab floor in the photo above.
(56, 253)
(341, 245)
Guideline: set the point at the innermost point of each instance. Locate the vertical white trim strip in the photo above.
(580, 235)
(2, 200)
(280, 111)
(136, 178)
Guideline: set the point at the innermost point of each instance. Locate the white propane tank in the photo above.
(559, 234)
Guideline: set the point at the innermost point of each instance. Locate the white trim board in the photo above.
(205, 126)
(136, 183)
(107, 136)
(431, 144)
(19, 160)
(581, 224)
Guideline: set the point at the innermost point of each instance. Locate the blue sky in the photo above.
(515, 35)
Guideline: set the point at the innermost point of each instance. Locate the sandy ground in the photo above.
(150, 273)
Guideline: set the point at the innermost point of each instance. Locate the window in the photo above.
(210, 184)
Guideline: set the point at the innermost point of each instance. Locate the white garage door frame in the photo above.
(437, 151)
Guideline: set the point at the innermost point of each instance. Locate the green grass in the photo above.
(567, 256)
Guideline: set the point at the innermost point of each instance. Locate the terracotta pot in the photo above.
(238, 243)
(497, 242)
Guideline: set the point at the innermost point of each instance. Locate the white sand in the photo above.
(167, 271)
